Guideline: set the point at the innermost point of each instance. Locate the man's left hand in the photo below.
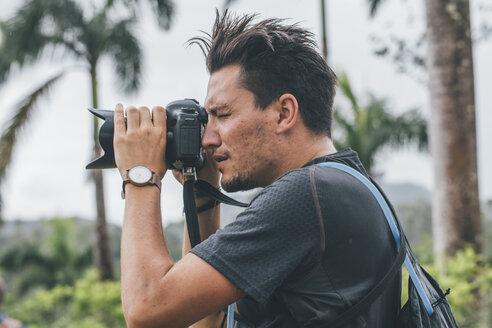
(142, 141)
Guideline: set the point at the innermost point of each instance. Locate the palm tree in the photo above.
(63, 29)
(324, 32)
(456, 210)
(372, 128)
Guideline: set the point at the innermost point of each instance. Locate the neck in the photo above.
(325, 147)
(318, 147)
(301, 151)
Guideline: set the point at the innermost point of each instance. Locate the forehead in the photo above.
(223, 87)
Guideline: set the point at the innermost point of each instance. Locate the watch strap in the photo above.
(154, 181)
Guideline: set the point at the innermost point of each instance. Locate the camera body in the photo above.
(186, 120)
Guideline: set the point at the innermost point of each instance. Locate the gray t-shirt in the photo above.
(308, 247)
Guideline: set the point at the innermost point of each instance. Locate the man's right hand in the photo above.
(208, 172)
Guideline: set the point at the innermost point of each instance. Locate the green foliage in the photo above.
(173, 234)
(470, 280)
(58, 259)
(370, 128)
(88, 303)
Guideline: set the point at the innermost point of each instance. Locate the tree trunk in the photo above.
(324, 33)
(102, 249)
(456, 210)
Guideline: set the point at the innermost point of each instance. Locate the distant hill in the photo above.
(15, 232)
(18, 231)
(406, 193)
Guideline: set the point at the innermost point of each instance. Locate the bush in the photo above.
(95, 304)
(470, 281)
(89, 303)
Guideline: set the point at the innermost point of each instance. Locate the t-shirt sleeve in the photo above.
(276, 239)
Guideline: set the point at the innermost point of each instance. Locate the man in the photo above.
(5, 321)
(309, 246)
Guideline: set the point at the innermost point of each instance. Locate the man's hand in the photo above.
(142, 141)
(156, 292)
(208, 172)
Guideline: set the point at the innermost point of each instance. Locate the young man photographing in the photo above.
(309, 246)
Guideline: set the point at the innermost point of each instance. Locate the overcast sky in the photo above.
(47, 176)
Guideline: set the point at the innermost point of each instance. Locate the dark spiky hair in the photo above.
(275, 58)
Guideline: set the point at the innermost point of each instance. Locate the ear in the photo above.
(288, 112)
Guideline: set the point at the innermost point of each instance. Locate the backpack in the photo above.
(427, 306)
(433, 313)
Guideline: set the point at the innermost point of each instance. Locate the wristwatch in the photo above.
(140, 176)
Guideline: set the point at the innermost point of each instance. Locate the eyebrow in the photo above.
(213, 110)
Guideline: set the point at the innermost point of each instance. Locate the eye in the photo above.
(224, 115)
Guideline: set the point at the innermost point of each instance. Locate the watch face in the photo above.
(140, 174)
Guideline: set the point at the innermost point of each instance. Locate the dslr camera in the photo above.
(186, 120)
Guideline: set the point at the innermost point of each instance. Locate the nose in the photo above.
(211, 137)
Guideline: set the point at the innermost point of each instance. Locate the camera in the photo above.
(186, 120)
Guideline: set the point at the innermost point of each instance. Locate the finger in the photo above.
(159, 116)
(132, 119)
(145, 118)
(119, 121)
(178, 175)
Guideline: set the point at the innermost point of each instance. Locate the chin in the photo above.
(237, 183)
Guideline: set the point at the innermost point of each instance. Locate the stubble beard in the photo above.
(238, 183)
(247, 179)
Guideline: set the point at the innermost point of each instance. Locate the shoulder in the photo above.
(300, 190)
(285, 195)
(337, 180)
(295, 182)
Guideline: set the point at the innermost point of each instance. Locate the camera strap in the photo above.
(191, 213)
(190, 206)
(215, 194)
(190, 183)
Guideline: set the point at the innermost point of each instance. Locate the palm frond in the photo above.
(127, 54)
(373, 127)
(346, 88)
(24, 111)
(228, 3)
(343, 128)
(164, 9)
(36, 26)
(4, 66)
(411, 128)
(374, 6)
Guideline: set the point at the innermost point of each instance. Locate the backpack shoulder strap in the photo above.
(393, 223)
(354, 311)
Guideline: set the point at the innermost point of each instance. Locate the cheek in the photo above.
(255, 143)
(234, 135)
(244, 137)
